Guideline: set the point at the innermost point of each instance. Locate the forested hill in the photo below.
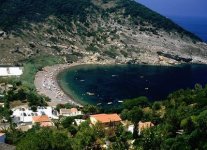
(95, 30)
(16, 13)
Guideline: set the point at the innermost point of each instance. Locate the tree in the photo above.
(140, 101)
(91, 109)
(119, 145)
(72, 129)
(187, 124)
(156, 106)
(172, 121)
(124, 114)
(85, 138)
(34, 108)
(60, 141)
(57, 123)
(13, 136)
(35, 100)
(44, 139)
(135, 115)
(21, 95)
(66, 122)
(151, 138)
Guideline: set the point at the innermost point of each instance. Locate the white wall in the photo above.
(93, 120)
(11, 71)
(26, 115)
(71, 114)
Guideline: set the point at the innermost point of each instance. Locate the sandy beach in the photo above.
(46, 81)
(46, 84)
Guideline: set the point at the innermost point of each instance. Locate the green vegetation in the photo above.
(92, 48)
(86, 138)
(14, 13)
(44, 139)
(33, 65)
(20, 13)
(180, 123)
(20, 92)
(22, 89)
(179, 120)
(112, 52)
(42, 26)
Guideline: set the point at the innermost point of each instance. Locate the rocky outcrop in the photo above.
(175, 57)
(2, 34)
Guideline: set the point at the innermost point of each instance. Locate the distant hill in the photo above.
(93, 30)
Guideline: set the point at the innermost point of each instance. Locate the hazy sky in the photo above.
(196, 8)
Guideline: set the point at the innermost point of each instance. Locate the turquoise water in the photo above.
(103, 84)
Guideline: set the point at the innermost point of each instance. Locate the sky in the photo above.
(180, 8)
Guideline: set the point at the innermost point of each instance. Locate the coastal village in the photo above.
(45, 110)
(59, 108)
(103, 75)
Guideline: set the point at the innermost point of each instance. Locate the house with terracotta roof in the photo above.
(70, 112)
(106, 119)
(144, 125)
(43, 121)
(24, 114)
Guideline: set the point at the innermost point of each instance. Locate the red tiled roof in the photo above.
(106, 118)
(40, 119)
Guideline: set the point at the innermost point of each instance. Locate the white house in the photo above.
(25, 115)
(70, 112)
(11, 71)
(79, 121)
(130, 128)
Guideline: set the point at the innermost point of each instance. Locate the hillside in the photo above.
(121, 31)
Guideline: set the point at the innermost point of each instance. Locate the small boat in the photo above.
(90, 94)
(109, 103)
(82, 80)
(141, 77)
(120, 101)
(98, 104)
(146, 88)
(114, 75)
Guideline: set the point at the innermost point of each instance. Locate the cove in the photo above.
(111, 84)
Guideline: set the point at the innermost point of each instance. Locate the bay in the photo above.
(111, 84)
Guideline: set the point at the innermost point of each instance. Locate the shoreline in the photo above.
(46, 82)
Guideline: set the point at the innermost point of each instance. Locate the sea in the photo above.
(112, 84)
(196, 25)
